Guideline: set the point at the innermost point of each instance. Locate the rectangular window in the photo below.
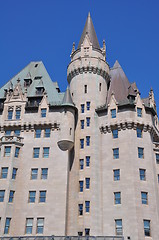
(8, 132)
(140, 152)
(82, 108)
(87, 161)
(80, 234)
(117, 198)
(157, 158)
(2, 193)
(88, 106)
(17, 132)
(29, 226)
(10, 114)
(14, 173)
(81, 186)
(115, 133)
(87, 183)
(32, 195)
(81, 143)
(42, 196)
(47, 132)
(87, 231)
(85, 88)
(142, 173)
(118, 227)
(88, 121)
(44, 173)
(17, 114)
(144, 197)
(81, 164)
(100, 87)
(17, 149)
(87, 206)
(139, 112)
(40, 225)
(7, 225)
(38, 133)
(87, 140)
(36, 152)
(4, 172)
(46, 152)
(11, 196)
(147, 228)
(7, 151)
(43, 112)
(113, 113)
(82, 124)
(139, 132)
(80, 209)
(116, 153)
(34, 173)
(116, 174)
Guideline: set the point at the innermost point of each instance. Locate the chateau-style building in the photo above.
(84, 162)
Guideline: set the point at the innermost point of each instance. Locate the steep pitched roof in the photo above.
(67, 100)
(89, 29)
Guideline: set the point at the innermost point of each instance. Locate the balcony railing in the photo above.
(64, 238)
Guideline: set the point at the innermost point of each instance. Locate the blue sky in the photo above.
(34, 30)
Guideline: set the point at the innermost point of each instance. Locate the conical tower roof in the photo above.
(67, 100)
(89, 29)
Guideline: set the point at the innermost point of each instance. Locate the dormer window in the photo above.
(27, 82)
(10, 114)
(39, 90)
(17, 114)
(86, 50)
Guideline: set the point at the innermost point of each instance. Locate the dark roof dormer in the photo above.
(27, 80)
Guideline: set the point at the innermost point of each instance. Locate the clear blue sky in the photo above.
(33, 30)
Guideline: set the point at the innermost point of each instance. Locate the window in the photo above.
(43, 112)
(147, 228)
(36, 152)
(80, 209)
(29, 226)
(17, 149)
(32, 195)
(14, 173)
(87, 140)
(17, 114)
(8, 132)
(85, 88)
(157, 158)
(4, 172)
(117, 198)
(7, 151)
(82, 108)
(139, 112)
(116, 174)
(140, 152)
(46, 152)
(38, 133)
(88, 106)
(87, 183)
(40, 225)
(82, 124)
(17, 132)
(7, 225)
(87, 161)
(47, 132)
(100, 87)
(139, 132)
(144, 197)
(34, 173)
(118, 227)
(10, 114)
(81, 143)
(11, 196)
(116, 153)
(87, 206)
(81, 164)
(80, 234)
(115, 133)
(88, 121)
(42, 196)
(81, 186)
(113, 113)
(142, 173)
(44, 173)
(87, 231)
(2, 193)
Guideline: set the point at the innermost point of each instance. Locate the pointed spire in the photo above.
(67, 100)
(89, 29)
(116, 64)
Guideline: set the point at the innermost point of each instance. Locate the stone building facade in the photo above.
(83, 162)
